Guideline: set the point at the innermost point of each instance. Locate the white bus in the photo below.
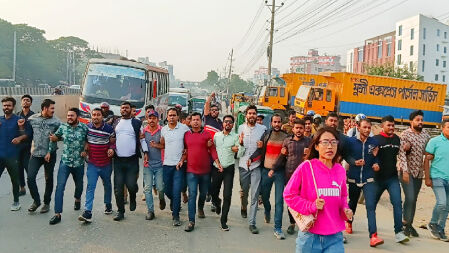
(175, 96)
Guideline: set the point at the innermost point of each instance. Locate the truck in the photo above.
(375, 96)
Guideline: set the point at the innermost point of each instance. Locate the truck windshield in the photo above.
(175, 99)
(303, 93)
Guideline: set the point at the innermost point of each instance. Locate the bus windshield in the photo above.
(114, 83)
(175, 99)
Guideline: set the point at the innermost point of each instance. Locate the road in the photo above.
(22, 232)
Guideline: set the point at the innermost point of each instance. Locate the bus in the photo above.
(115, 81)
(175, 96)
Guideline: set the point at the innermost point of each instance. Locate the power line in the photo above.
(256, 17)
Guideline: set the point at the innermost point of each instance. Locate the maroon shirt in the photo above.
(198, 153)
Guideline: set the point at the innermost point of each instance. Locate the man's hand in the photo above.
(145, 157)
(152, 144)
(376, 167)
(375, 151)
(53, 137)
(406, 146)
(270, 173)
(319, 203)
(210, 143)
(142, 135)
(84, 154)
(179, 165)
(47, 157)
(260, 144)
(219, 166)
(248, 163)
(284, 151)
(110, 152)
(360, 162)
(428, 182)
(15, 141)
(241, 138)
(212, 95)
(405, 177)
(235, 149)
(348, 213)
(306, 151)
(21, 123)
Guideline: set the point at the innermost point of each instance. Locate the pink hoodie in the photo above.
(300, 195)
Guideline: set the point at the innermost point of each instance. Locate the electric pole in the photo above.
(229, 75)
(273, 8)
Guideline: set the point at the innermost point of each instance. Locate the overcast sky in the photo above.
(198, 35)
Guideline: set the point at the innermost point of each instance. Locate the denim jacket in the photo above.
(355, 149)
(42, 127)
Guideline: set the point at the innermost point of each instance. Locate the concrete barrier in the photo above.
(11, 91)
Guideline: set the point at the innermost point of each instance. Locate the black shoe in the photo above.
(45, 208)
(176, 222)
(162, 204)
(108, 209)
(190, 227)
(33, 207)
(55, 220)
(86, 217)
(208, 198)
(22, 193)
(291, 229)
(253, 229)
(132, 204)
(244, 213)
(267, 218)
(213, 208)
(171, 206)
(434, 232)
(119, 216)
(407, 230)
(201, 214)
(149, 216)
(77, 205)
(413, 232)
(224, 227)
(218, 208)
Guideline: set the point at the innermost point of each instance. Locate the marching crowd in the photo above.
(317, 170)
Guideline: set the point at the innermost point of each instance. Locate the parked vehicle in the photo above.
(267, 112)
(197, 105)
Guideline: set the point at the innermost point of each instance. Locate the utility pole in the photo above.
(229, 75)
(273, 8)
(14, 58)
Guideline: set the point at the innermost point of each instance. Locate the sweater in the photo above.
(388, 153)
(195, 143)
(300, 195)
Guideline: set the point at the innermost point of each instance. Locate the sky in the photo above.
(197, 36)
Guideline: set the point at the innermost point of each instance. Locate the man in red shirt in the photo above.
(198, 144)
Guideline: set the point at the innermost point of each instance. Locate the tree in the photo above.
(389, 70)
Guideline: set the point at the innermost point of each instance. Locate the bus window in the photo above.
(282, 91)
(272, 92)
(311, 95)
(328, 95)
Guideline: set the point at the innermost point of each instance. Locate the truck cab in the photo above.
(320, 99)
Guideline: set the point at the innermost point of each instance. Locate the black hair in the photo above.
(126, 103)
(364, 120)
(290, 113)
(46, 103)
(261, 116)
(313, 153)
(214, 105)
(27, 96)
(306, 118)
(228, 116)
(149, 107)
(276, 115)
(332, 115)
(388, 118)
(133, 106)
(183, 116)
(9, 99)
(443, 123)
(416, 113)
(300, 122)
(75, 110)
(173, 109)
(196, 114)
(250, 107)
(98, 109)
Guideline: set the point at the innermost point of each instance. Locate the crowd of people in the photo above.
(315, 168)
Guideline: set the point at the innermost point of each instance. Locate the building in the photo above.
(378, 50)
(423, 45)
(314, 63)
(164, 65)
(261, 75)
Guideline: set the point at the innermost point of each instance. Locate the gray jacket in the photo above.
(42, 127)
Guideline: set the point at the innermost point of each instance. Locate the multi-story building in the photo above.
(314, 63)
(423, 45)
(261, 75)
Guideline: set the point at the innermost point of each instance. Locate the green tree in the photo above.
(389, 70)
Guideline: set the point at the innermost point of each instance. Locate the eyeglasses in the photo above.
(228, 121)
(326, 143)
(214, 110)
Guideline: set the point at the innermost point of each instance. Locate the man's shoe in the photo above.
(213, 208)
(375, 241)
(267, 218)
(208, 198)
(45, 208)
(15, 206)
(171, 206)
(33, 207)
(154, 190)
(176, 222)
(162, 204)
(190, 227)
(434, 231)
(253, 229)
(108, 209)
(224, 227)
(77, 205)
(149, 216)
(22, 192)
(279, 234)
(144, 197)
(443, 236)
(413, 231)
(86, 217)
(185, 198)
(55, 220)
(407, 230)
(201, 214)
(132, 204)
(218, 208)
(291, 229)
(401, 237)
(244, 213)
(119, 216)
(348, 227)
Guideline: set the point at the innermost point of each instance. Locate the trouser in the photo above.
(250, 178)
(173, 182)
(126, 171)
(278, 179)
(63, 174)
(33, 169)
(411, 192)
(369, 191)
(152, 176)
(24, 159)
(313, 243)
(290, 216)
(394, 190)
(227, 178)
(441, 189)
(93, 172)
(11, 166)
(195, 181)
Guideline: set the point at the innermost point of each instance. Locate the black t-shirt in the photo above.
(387, 156)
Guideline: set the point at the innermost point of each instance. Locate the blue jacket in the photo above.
(355, 150)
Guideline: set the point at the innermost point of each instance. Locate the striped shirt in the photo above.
(98, 141)
(212, 125)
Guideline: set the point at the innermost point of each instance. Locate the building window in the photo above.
(400, 30)
(437, 62)
(444, 49)
(438, 34)
(410, 65)
(423, 49)
(445, 35)
(438, 47)
(412, 33)
(424, 33)
(411, 50)
(436, 77)
(422, 65)
(360, 56)
(388, 48)
(399, 60)
(379, 50)
(444, 78)
(399, 45)
(444, 64)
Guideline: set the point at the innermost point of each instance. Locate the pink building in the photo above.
(314, 63)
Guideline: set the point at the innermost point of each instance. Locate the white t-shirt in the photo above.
(174, 143)
(126, 138)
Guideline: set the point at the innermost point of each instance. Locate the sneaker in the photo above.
(213, 208)
(279, 234)
(143, 197)
(33, 207)
(190, 227)
(119, 216)
(55, 220)
(15, 206)
(434, 232)
(201, 214)
(176, 222)
(218, 208)
(224, 227)
(345, 240)
(348, 228)
(108, 209)
(22, 192)
(45, 208)
(443, 236)
(162, 204)
(267, 218)
(149, 216)
(291, 229)
(208, 198)
(253, 229)
(401, 237)
(132, 204)
(413, 231)
(77, 205)
(375, 241)
(154, 190)
(86, 217)
(407, 230)
(244, 213)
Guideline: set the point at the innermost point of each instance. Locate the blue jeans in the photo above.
(152, 176)
(313, 243)
(173, 182)
(63, 174)
(440, 211)
(369, 191)
(394, 190)
(278, 179)
(195, 181)
(93, 172)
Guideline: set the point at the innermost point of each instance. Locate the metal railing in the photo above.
(11, 91)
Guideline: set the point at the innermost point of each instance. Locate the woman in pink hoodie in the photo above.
(330, 203)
